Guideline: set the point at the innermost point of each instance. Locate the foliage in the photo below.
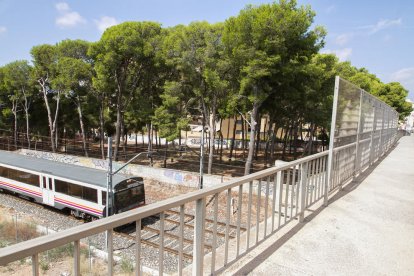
(127, 266)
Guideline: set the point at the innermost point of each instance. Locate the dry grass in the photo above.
(12, 232)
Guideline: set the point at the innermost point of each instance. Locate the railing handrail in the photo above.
(44, 243)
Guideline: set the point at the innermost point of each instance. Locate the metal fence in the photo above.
(363, 128)
(246, 210)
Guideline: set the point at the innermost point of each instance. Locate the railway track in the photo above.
(150, 233)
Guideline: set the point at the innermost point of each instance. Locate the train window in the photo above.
(61, 186)
(75, 190)
(24, 177)
(90, 194)
(3, 172)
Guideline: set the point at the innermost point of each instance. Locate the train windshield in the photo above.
(130, 194)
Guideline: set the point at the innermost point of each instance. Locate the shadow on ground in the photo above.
(353, 185)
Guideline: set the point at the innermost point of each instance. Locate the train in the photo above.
(62, 186)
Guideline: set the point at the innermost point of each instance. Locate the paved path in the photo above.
(368, 228)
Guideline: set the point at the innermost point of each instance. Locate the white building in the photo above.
(409, 121)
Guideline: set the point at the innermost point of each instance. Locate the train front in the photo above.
(129, 194)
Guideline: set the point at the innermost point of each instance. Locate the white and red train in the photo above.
(64, 186)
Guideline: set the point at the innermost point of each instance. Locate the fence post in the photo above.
(198, 248)
(303, 190)
(331, 141)
(35, 265)
(357, 159)
(371, 143)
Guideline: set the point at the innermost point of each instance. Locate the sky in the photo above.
(377, 35)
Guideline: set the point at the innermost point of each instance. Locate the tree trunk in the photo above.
(149, 127)
(118, 120)
(243, 142)
(26, 111)
(123, 139)
(55, 125)
(27, 128)
(221, 140)
(136, 141)
(273, 142)
(14, 111)
(268, 140)
(101, 130)
(285, 141)
(295, 140)
(259, 125)
(253, 126)
(15, 129)
(82, 127)
(156, 138)
(212, 134)
(233, 138)
(311, 134)
(43, 84)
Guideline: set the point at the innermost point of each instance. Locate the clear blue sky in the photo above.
(377, 35)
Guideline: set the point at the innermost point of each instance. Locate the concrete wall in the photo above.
(169, 176)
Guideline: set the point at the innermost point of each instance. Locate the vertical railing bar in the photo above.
(181, 241)
(199, 234)
(274, 202)
(311, 181)
(318, 178)
(280, 183)
(315, 176)
(213, 252)
(338, 173)
(138, 248)
(331, 138)
(303, 188)
(110, 242)
(323, 175)
(292, 194)
(161, 245)
(266, 206)
(258, 203)
(76, 257)
(297, 191)
(35, 265)
(318, 173)
(307, 184)
(239, 211)
(357, 146)
(227, 234)
(287, 193)
(249, 214)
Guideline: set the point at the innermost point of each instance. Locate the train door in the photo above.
(47, 189)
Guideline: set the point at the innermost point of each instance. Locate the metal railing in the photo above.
(247, 210)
